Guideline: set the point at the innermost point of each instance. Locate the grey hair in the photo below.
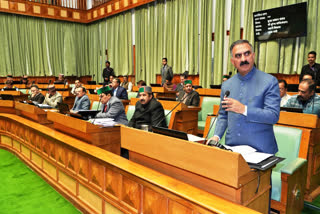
(238, 42)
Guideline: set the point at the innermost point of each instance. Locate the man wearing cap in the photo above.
(107, 72)
(148, 110)
(112, 107)
(188, 96)
(225, 78)
(82, 101)
(36, 95)
(52, 97)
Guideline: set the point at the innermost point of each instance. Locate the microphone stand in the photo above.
(97, 110)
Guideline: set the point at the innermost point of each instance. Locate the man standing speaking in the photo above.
(253, 106)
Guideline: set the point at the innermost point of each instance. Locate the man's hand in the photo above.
(214, 138)
(233, 105)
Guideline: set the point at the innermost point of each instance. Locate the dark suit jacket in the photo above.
(192, 99)
(165, 72)
(122, 93)
(107, 72)
(39, 98)
(81, 104)
(150, 114)
(316, 72)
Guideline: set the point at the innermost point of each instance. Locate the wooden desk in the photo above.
(183, 118)
(106, 138)
(224, 174)
(7, 106)
(17, 95)
(95, 180)
(209, 92)
(32, 112)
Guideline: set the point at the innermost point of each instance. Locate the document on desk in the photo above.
(194, 138)
(105, 122)
(249, 154)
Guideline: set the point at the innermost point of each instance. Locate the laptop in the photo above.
(9, 89)
(63, 108)
(170, 132)
(215, 86)
(88, 114)
(293, 87)
(92, 82)
(196, 86)
(289, 109)
(7, 97)
(155, 85)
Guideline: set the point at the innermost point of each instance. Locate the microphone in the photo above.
(171, 110)
(230, 73)
(226, 94)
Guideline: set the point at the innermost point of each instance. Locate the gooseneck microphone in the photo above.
(210, 143)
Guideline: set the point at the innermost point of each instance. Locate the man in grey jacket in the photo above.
(82, 101)
(166, 71)
(112, 107)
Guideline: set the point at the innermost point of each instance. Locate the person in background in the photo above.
(112, 107)
(306, 99)
(308, 75)
(119, 91)
(9, 77)
(166, 71)
(82, 101)
(107, 72)
(311, 67)
(283, 86)
(9, 86)
(225, 78)
(126, 84)
(36, 95)
(169, 85)
(77, 84)
(180, 86)
(52, 97)
(189, 96)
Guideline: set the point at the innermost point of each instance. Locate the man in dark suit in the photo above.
(312, 67)
(36, 94)
(82, 101)
(148, 110)
(107, 72)
(166, 71)
(180, 86)
(188, 96)
(119, 91)
(112, 107)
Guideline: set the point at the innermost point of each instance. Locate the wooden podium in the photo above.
(183, 118)
(32, 112)
(222, 173)
(105, 138)
(7, 106)
(17, 95)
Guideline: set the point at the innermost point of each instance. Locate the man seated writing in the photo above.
(148, 110)
(82, 101)
(306, 99)
(112, 107)
(52, 97)
(189, 96)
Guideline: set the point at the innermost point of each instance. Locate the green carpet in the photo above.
(308, 209)
(22, 191)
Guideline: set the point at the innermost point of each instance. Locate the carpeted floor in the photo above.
(314, 208)
(22, 191)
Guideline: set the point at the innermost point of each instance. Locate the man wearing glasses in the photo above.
(283, 87)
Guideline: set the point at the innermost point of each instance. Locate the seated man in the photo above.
(52, 97)
(148, 110)
(140, 84)
(126, 84)
(61, 80)
(36, 95)
(82, 101)
(9, 86)
(189, 96)
(180, 86)
(77, 84)
(283, 86)
(308, 75)
(306, 99)
(112, 107)
(119, 91)
(169, 85)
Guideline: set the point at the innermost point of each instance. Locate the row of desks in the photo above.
(172, 159)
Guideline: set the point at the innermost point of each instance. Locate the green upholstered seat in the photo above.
(211, 132)
(206, 108)
(95, 105)
(288, 140)
(71, 85)
(132, 94)
(132, 108)
(23, 91)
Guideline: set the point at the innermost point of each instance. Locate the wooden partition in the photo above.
(176, 78)
(225, 173)
(7, 106)
(32, 112)
(98, 181)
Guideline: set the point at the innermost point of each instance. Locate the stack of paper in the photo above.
(249, 154)
(105, 122)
